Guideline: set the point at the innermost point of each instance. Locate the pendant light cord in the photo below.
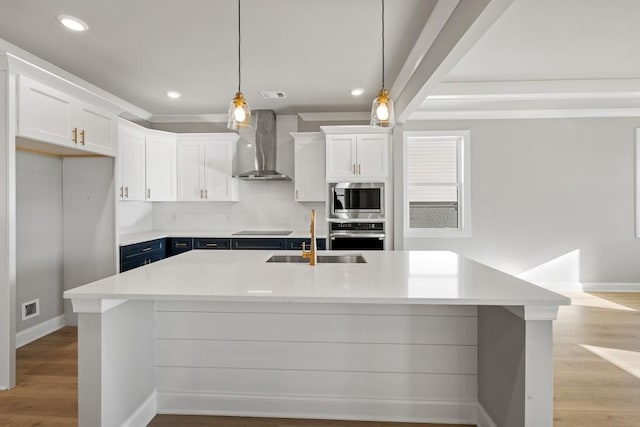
(239, 35)
(383, 44)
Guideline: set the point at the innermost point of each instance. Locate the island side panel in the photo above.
(342, 361)
(501, 365)
(116, 362)
(515, 365)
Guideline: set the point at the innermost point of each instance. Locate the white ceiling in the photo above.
(314, 51)
(557, 40)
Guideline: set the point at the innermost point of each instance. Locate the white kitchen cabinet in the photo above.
(205, 167)
(49, 115)
(352, 156)
(131, 159)
(310, 167)
(160, 166)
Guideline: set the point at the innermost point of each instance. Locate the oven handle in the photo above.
(363, 235)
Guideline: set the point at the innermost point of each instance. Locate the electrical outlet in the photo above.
(30, 309)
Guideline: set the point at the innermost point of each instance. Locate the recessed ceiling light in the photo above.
(73, 23)
(173, 94)
(357, 91)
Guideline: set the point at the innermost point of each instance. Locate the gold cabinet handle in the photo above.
(148, 193)
(126, 192)
(181, 245)
(359, 167)
(146, 249)
(212, 245)
(353, 168)
(201, 193)
(121, 192)
(75, 135)
(82, 137)
(206, 194)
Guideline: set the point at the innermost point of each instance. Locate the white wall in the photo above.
(38, 236)
(548, 188)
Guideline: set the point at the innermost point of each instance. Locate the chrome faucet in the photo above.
(312, 253)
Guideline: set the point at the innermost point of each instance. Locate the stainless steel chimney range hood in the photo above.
(260, 149)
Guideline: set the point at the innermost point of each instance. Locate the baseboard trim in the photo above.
(339, 408)
(484, 420)
(40, 330)
(144, 413)
(611, 286)
(591, 286)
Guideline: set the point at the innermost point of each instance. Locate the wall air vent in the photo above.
(272, 94)
(30, 309)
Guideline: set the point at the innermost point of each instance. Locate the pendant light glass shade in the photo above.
(239, 113)
(382, 108)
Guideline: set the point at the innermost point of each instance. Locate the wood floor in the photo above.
(597, 374)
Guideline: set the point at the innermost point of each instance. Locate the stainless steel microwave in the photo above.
(356, 200)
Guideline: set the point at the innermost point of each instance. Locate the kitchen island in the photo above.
(407, 336)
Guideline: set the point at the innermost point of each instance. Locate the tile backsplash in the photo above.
(262, 205)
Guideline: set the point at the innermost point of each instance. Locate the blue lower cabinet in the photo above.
(139, 254)
(211, 244)
(178, 245)
(296, 244)
(258, 244)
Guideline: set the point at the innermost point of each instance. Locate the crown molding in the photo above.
(334, 117)
(525, 114)
(188, 118)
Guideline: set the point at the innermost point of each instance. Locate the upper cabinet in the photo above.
(160, 159)
(49, 115)
(357, 155)
(205, 167)
(131, 160)
(310, 167)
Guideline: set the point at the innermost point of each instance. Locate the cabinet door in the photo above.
(95, 128)
(44, 113)
(310, 170)
(160, 167)
(218, 158)
(190, 170)
(372, 156)
(341, 156)
(132, 164)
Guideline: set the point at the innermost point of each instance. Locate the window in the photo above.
(436, 183)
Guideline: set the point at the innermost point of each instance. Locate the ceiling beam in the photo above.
(459, 31)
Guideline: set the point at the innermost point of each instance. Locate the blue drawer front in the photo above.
(130, 253)
(211, 244)
(143, 260)
(178, 245)
(253, 244)
(296, 244)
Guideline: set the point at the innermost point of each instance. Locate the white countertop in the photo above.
(144, 236)
(388, 277)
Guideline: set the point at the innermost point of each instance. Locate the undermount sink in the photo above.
(322, 259)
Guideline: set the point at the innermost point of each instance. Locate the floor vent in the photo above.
(30, 309)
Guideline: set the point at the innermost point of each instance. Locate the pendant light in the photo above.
(239, 112)
(382, 108)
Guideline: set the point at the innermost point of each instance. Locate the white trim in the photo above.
(610, 286)
(330, 130)
(82, 305)
(331, 116)
(188, 118)
(484, 420)
(316, 407)
(533, 312)
(538, 89)
(637, 183)
(144, 413)
(40, 330)
(526, 114)
(464, 175)
(591, 286)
